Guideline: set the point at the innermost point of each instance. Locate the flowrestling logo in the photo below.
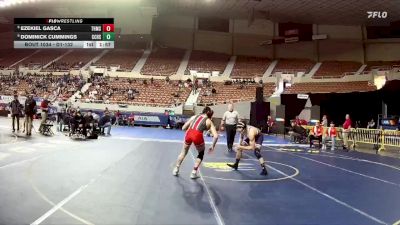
(377, 14)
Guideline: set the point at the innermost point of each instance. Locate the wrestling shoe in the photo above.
(175, 172)
(264, 172)
(194, 175)
(233, 166)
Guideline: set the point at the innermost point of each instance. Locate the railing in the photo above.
(378, 137)
(225, 102)
(328, 77)
(291, 71)
(130, 103)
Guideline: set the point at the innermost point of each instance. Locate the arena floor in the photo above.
(127, 179)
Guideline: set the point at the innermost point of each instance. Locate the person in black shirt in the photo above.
(78, 121)
(105, 122)
(30, 110)
(297, 132)
(15, 108)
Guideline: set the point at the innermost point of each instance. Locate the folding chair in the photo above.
(46, 128)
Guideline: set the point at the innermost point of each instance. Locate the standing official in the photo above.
(229, 122)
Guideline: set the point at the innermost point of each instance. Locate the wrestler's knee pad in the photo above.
(257, 153)
(200, 155)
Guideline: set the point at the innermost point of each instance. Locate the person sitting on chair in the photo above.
(78, 122)
(331, 134)
(105, 122)
(297, 132)
(316, 134)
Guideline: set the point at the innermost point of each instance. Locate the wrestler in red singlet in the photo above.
(195, 127)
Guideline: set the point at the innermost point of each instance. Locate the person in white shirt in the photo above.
(229, 122)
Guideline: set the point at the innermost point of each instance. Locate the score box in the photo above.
(108, 36)
(108, 27)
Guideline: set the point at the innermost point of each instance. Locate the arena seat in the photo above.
(78, 58)
(11, 56)
(337, 69)
(115, 90)
(53, 86)
(163, 62)
(231, 93)
(330, 87)
(203, 61)
(382, 65)
(40, 58)
(124, 58)
(250, 67)
(294, 65)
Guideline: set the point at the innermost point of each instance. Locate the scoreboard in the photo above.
(64, 33)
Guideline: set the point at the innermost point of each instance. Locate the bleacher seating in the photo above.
(250, 67)
(294, 65)
(51, 86)
(124, 58)
(11, 56)
(78, 58)
(231, 93)
(203, 61)
(116, 90)
(40, 58)
(163, 62)
(269, 89)
(381, 65)
(337, 69)
(330, 87)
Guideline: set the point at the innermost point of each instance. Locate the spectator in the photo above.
(117, 115)
(297, 120)
(331, 134)
(105, 122)
(15, 108)
(131, 119)
(78, 121)
(316, 134)
(371, 124)
(297, 132)
(324, 125)
(30, 110)
(324, 121)
(270, 123)
(346, 132)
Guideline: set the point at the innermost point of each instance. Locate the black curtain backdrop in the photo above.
(390, 94)
(362, 106)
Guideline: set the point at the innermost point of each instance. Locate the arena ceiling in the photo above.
(346, 12)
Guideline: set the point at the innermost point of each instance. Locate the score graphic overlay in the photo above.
(64, 33)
